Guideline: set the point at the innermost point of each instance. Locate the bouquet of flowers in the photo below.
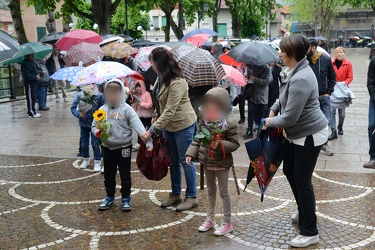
(103, 125)
(87, 98)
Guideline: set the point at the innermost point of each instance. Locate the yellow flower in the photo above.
(99, 115)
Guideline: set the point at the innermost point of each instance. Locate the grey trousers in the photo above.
(222, 179)
(59, 84)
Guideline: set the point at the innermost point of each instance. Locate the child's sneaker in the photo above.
(85, 163)
(97, 165)
(126, 204)
(136, 147)
(102, 170)
(107, 203)
(208, 224)
(224, 229)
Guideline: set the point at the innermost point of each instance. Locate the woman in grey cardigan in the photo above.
(297, 111)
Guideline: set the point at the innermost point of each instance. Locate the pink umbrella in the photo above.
(74, 37)
(198, 40)
(233, 74)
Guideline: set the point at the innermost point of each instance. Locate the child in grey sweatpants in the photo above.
(214, 152)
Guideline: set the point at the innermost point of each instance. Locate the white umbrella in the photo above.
(112, 39)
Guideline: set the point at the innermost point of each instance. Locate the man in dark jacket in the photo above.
(322, 66)
(31, 75)
(371, 116)
(53, 64)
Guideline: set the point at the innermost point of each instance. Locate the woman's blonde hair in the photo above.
(337, 50)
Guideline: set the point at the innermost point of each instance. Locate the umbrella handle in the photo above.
(80, 64)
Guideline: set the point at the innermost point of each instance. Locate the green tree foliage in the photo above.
(361, 3)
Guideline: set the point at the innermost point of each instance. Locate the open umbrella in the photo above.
(104, 37)
(67, 74)
(224, 58)
(198, 39)
(118, 50)
(111, 40)
(87, 53)
(183, 50)
(127, 38)
(254, 53)
(266, 153)
(320, 38)
(233, 74)
(39, 50)
(201, 68)
(101, 72)
(75, 37)
(367, 37)
(142, 57)
(8, 46)
(199, 31)
(52, 38)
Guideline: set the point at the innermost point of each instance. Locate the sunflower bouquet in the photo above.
(103, 125)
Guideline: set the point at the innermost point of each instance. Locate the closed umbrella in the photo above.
(118, 50)
(87, 53)
(254, 53)
(201, 68)
(39, 50)
(143, 54)
(52, 38)
(101, 72)
(233, 74)
(199, 31)
(8, 46)
(75, 37)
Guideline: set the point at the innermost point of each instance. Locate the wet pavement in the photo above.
(47, 202)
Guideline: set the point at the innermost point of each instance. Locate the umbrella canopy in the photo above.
(254, 53)
(104, 37)
(142, 57)
(367, 37)
(52, 38)
(101, 72)
(127, 38)
(320, 49)
(199, 31)
(320, 38)
(266, 153)
(87, 53)
(39, 50)
(75, 37)
(118, 50)
(224, 58)
(181, 51)
(8, 46)
(198, 40)
(201, 68)
(67, 74)
(237, 77)
(111, 40)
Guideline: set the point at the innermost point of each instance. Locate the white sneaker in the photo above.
(85, 163)
(37, 115)
(136, 147)
(295, 217)
(97, 165)
(304, 241)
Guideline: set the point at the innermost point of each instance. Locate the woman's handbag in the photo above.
(154, 164)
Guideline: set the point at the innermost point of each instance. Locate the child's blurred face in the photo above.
(113, 95)
(211, 111)
(138, 90)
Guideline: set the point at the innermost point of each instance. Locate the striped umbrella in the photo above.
(201, 68)
(182, 50)
(118, 50)
(87, 53)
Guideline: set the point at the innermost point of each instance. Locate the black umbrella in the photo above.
(109, 36)
(126, 37)
(52, 38)
(8, 46)
(320, 38)
(254, 53)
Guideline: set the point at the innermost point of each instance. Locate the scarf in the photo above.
(316, 57)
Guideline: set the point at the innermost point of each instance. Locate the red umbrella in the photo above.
(237, 77)
(77, 36)
(198, 40)
(87, 53)
(224, 58)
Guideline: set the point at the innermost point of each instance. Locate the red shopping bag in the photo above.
(154, 164)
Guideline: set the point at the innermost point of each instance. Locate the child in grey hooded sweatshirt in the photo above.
(117, 149)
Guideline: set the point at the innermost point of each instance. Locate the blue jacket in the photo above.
(29, 70)
(86, 120)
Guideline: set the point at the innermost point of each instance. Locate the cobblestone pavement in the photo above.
(47, 202)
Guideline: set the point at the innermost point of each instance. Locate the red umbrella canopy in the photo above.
(76, 37)
(87, 53)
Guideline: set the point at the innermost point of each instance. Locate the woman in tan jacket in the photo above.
(177, 120)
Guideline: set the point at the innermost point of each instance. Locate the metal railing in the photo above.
(6, 82)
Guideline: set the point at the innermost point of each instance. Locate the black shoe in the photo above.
(44, 108)
(79, 154)
(333, 136)
(248, 135)
(242, 120)
(339, 130)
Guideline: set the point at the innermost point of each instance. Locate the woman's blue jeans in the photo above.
(179, 142)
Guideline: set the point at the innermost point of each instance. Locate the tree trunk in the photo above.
(15, 11)
(167, 31)
(236, 25)
(214, 19)
(51, 22)
(102, 12)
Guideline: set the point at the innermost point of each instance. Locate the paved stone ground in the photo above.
(46, 202)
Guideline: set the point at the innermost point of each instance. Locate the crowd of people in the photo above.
(294, 96)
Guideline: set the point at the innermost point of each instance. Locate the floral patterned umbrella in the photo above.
(101, 72)
(87, 53)
(142, 58)
(118, 50)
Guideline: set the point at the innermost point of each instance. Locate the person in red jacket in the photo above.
(344, 73)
